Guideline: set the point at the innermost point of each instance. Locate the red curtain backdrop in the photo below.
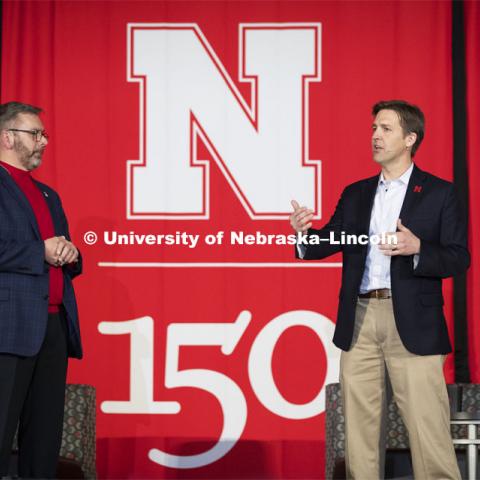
(71, 58)
(472, 47)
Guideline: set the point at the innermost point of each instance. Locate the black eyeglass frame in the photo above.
(38, 134)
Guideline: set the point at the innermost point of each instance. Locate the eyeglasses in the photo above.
(37, 134)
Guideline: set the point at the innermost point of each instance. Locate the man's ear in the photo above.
(410, 139)
(6, 139)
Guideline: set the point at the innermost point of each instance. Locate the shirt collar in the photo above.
(404, 178)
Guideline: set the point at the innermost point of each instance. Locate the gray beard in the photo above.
(29, 160)
(32, 162)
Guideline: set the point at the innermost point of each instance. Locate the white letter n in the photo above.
(186, 94)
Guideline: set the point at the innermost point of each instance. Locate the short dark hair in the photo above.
(412, 119)
(9, 111)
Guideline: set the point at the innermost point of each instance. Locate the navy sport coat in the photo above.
(24, 273)
(431, 210)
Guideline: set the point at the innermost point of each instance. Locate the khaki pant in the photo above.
(418, 388)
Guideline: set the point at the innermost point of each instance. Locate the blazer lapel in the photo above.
(14, 190)
(413, 195)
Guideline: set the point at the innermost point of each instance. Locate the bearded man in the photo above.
(38, 313)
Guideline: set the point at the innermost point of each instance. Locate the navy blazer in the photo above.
(24, 273)
(431, 210)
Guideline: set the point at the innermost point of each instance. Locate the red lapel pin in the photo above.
(417, 188)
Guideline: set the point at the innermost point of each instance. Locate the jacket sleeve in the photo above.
(76, 268)
(317, 244)
(449, 256)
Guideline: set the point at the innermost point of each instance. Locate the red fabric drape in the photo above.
(70, 57)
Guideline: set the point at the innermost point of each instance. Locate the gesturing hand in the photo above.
(407, 242)
(301, 218)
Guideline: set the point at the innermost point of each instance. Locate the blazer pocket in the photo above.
(4, 294)
(431, 299)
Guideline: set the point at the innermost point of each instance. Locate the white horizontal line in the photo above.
(218, 265)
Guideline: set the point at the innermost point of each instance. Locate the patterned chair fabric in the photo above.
(79, 437)
(79, 434)
(396, 436)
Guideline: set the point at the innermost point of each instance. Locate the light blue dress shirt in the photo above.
(386, 209)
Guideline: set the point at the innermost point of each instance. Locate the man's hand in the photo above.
(59, 251)
(407, 242)
(301, 218)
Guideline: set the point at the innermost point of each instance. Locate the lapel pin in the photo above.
(417, 188)
(45, 193)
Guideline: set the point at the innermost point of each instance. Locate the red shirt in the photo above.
(42, 213)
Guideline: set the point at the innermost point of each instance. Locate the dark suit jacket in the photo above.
(24, 278)
(433, 213)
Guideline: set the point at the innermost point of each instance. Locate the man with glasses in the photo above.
(38, 314)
